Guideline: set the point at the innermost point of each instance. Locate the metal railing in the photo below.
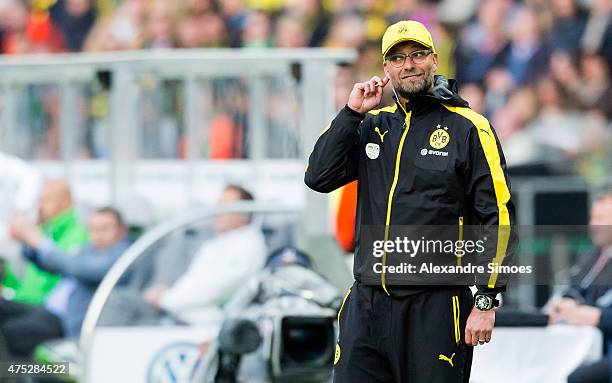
(307, 75)
(146, 242)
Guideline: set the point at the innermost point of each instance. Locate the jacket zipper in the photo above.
(392, 191)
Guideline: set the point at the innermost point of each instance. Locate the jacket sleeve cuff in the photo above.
(492, 292)
(352, 114)
(605, 321)
(574, 294)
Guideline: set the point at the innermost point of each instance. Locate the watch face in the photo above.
(484, 302)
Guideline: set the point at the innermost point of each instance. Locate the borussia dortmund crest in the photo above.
(439, 138)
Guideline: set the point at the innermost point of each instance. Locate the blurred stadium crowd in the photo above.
(538, 69)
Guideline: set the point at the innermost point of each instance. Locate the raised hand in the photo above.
(365, 96)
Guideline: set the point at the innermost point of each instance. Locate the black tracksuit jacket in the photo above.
(433, 162)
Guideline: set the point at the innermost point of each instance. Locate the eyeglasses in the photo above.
(417, 57)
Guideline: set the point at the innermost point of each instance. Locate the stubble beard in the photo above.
(415, 88)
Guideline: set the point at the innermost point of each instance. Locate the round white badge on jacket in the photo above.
(372, 151)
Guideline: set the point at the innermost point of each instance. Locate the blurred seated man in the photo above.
(20, 185)
(219, 266)
(589, 301)
(58, 222)
(24, 326)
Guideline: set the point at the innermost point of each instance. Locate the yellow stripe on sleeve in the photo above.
(502, 193)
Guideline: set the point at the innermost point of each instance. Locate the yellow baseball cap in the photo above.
(406, 30)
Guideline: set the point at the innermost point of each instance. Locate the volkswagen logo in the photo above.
(175, 363)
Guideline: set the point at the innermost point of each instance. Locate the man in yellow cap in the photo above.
(426, 160)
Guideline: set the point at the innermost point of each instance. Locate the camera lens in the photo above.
(307, 342)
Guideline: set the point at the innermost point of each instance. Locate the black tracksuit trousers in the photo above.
(410, 338)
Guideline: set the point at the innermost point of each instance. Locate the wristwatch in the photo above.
(484, 302)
